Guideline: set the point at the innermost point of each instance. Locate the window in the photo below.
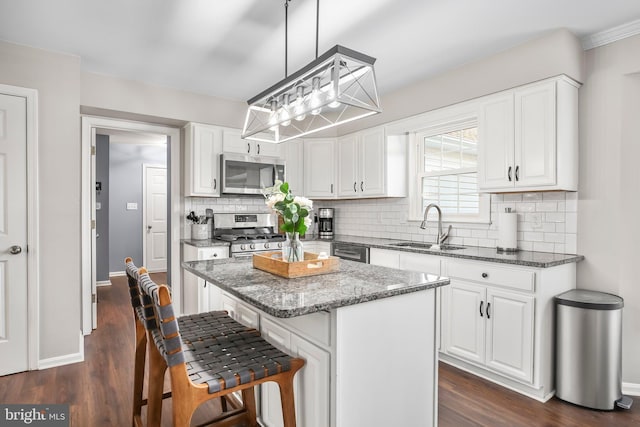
(447, 173)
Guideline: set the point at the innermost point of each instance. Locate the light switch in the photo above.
(98, 206)
(132, 206)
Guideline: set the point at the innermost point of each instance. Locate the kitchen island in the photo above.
(367, 333)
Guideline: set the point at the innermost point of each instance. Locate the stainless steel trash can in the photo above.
(589, 349)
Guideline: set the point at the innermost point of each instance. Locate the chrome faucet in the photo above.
(440, 239)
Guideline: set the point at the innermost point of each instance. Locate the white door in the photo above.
(372, 164)
(510, 334)
(347, 156)
(13, 235)
(155, 214)
(319, 161)
(466, 321)
(495, 151)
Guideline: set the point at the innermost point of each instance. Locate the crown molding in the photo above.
(611, 35)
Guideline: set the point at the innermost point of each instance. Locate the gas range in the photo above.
(247, 233)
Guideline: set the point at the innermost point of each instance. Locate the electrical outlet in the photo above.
(536, 220)
(132, 206)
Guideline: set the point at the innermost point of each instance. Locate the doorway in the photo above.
(91, 127)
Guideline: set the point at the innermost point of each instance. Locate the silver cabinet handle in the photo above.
(361, 185)
(258, 151)
(488, 312)
(331, 188)
(518, 173)
(509, 173)
(215, 183)
(481, 304)
(248, 148)
(355, 189)
(15, 250)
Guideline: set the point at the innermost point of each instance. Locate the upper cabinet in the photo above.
(233, 143)
(319, 168)
(293, 154)
(529, 138)
(203, 144)
(371, 165)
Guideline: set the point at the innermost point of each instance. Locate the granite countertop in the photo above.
(353, 283)
(523, 258)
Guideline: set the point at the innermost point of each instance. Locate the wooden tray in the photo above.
(311, 266)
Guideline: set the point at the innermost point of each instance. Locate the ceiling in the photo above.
(234, 49)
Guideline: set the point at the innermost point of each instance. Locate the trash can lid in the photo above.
(594, 300)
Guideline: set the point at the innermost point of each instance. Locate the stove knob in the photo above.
(243, 247)
(279, 244)
(266, 245)
(252, 246)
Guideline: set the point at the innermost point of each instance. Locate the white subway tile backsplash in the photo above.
(517, 197)
(554, 217)
(553, 195)
(543, 247)
(531, 197)
(547, 207)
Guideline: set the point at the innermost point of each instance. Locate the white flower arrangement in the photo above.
(294, 210)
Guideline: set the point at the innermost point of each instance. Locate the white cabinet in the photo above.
(233, 143)
(317, 246)
(319, 168)
(293, 155)
(423, 263)
(491, 327)
(239, 311)
(311, 386)
(197, 295)
(203, 144)
(370, 165)
(529, 138)
(384, 257)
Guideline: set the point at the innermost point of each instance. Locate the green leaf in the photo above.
(285, 187)
(294, 207)
(303, 213)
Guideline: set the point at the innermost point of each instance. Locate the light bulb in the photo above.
(273, 116)
(314, 98)
(332, 92)
(285, 117)
(299, 104)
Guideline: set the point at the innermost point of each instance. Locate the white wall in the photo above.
(57, 79)
(609, 202)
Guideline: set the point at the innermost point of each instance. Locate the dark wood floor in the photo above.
(99, 390)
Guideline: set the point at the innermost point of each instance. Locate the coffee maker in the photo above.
(325, 223)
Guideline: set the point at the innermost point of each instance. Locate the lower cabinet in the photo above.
(198, 296)
(490, 327)
(311, 386)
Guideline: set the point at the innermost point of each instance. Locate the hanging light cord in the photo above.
(286, 37)
(317, 24)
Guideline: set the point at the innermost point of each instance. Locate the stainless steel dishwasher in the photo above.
(351, 252)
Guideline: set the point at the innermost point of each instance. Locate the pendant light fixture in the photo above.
(337, 87)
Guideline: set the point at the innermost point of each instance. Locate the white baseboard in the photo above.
(66, 359)
(104, 283)
(116, 273)
(631, 389)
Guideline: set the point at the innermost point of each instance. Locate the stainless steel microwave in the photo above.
(242, 174)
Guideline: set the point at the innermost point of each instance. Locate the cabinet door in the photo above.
(293, 154)
(510, 334)
(319, 168)
(535, 135)
(372, 163)
(312, 388)
(348, 177)
(495, 148)
(233, 143)
(465, 321)
(384, 258)
(203, 147)
(420, 262)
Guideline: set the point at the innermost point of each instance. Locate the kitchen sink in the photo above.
(417, 245)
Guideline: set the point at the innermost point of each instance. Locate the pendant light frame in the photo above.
(337, 87)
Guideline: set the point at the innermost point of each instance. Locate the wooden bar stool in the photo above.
(209, 366)
(217, 323)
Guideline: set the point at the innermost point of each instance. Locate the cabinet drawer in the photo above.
(315, 327)
(492, 275)
(214, 252)
(247, 316)
(276, 334)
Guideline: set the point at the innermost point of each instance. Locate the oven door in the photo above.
(351, 252)
(250, 174)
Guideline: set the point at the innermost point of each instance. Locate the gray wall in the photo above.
(102, 214)
(125, 182)
(56, 77)
(609, 193)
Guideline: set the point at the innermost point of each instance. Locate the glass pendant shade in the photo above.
(337, 87)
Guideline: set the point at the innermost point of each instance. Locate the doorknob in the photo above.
(15, 250)
(148, 228)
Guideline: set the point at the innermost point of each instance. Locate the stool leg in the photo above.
(157, 369)
(249, 402)
(287, 402)
(138, 371)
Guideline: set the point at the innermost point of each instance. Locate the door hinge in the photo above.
(93, 298)
(93, 150)
(93, 224)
